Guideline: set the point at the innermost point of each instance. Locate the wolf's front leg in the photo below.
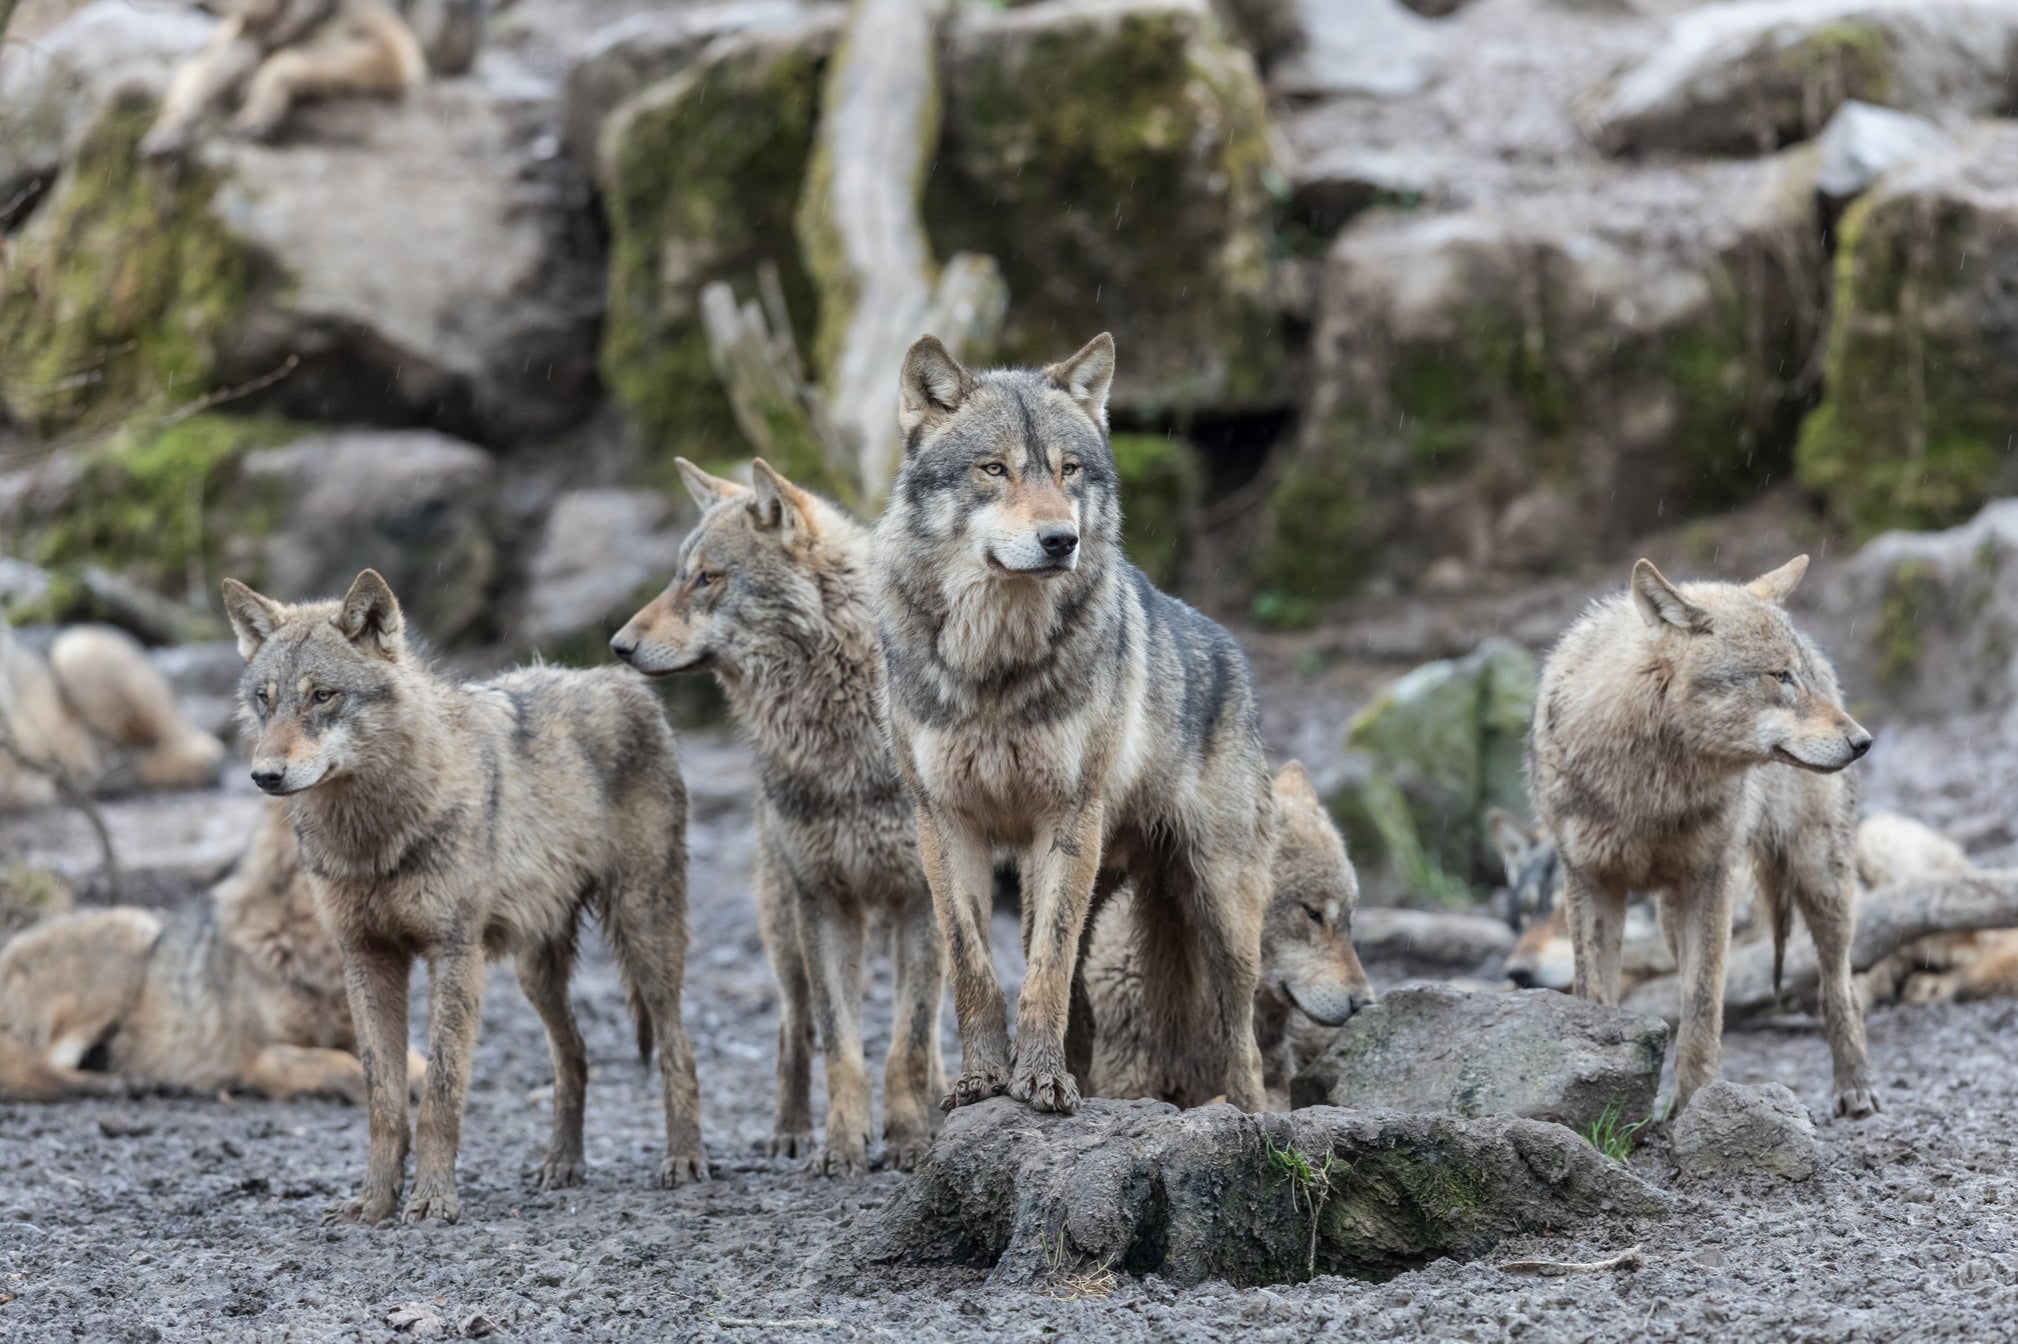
(961, 872)
(913, 1074)
(831, 932)
(778, 921)
(454, 1003)
(375, 977)
(1058, 875)
(1701, 915)
(1827, 903)
(1597, 919)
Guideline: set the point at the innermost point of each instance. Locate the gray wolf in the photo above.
(247, 995)
(464, 821)
(269, 53)
(772, 597)
(1048, 705)
(1678, 730)
(1311, 979)
(94, 712)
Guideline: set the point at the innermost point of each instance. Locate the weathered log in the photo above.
(864, 237)
(782, 414)
(1888, 918)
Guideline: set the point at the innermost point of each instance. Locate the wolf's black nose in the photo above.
(623, 648)
(1058, 542)
(268, 780)
(1522, 977)
(1859, 745)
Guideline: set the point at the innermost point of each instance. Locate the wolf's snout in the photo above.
(1860, 745)
(624, 646)
(268, 779)
(1058, 542)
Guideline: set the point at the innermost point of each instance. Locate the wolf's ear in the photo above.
(707, 490)
(776, 503)
(1775, 586)
(253, 618)
(1512, 840)
(1661, 603)
(1294, 782)
(1087, 376)
(931, 386)
(370, 615)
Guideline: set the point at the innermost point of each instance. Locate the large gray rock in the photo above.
(1374, 47)
(600, 555)
(1212, 1193)
(54, 88)
(412, 504)
(1749, 77)
(1730, 1127)
(1862, 141)
(1532, 1052)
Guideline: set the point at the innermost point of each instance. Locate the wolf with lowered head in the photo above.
(460, 822)
(1047, 705)
(1680, 731)
(772, 597)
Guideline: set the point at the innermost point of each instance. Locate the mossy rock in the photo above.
(1114, 159)
(123, 287)
(1921, 373)
(701, 176)
(1160, 487)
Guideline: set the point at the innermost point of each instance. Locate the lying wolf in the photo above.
(94, 712)
(1666, 720)
(247, 995)
(464, 821)
(271, 53)
(771, 597)
(1048, 705)
(1311, 979)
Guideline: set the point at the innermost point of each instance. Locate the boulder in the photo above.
(1160, 492)
(602, 554)
(700, 176)
(635, 52)
(1861, 141)
(1920, 378)
(394, 251)
(1113, 156)
(1515, 384)
(1447, 939)
(1141, 1188)
(1372, 47)
(1750, 77)
(412, 504)
(1730, 1127)
(1934, 617)
(1530, 1052)
(56, 87)
(1451, 737)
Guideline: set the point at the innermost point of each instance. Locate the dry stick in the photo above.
(1630, 1258)
(174, 417)
(780, 1323)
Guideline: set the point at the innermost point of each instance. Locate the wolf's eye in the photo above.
(706, 578)
(324, 695)
(994, 468)
(1070, 469)
(1786, 677)
(1316, 915)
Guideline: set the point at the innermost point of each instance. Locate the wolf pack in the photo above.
(973, 700)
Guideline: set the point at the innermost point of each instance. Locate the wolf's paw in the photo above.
(903, 1152)
(840, 1159)
(978, 1085)
(433, 1198)
(680, 1169)
(1047, 1091)
(558, 1173)
(370, 1212)
(790, 1143)
(1855, 1103)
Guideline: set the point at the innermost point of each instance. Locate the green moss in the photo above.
(1922, 402)
(702, 176)
(121, 287)
(1160, 488)
(1845, 59)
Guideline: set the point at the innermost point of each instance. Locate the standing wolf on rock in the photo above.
(1047, 704)
(458, 822)
(1662, 722)
(771, 596)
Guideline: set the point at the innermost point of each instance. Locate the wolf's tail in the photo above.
(26, 1076)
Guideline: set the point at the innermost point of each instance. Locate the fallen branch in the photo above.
(1630, 1258)
(782, 414)
(778, 1323)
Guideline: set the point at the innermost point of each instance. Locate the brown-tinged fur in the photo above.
(1678, 731)
(771, 596)
(269, 53)
(97, 711)
(1311, 979)
(460, 822)
(246, 994)
(1047, 705)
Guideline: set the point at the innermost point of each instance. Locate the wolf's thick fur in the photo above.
(247, 994)
(97, 711)
(772, 597)
(273, 52)
(1311, 979)
(1666, 720)
(1048, 704)
(460, 822)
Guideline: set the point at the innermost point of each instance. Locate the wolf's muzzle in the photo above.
(269, 781)
(1058, 542)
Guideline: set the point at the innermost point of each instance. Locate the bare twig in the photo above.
(778, 1323)
(224, 394)
(1630, 1258)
